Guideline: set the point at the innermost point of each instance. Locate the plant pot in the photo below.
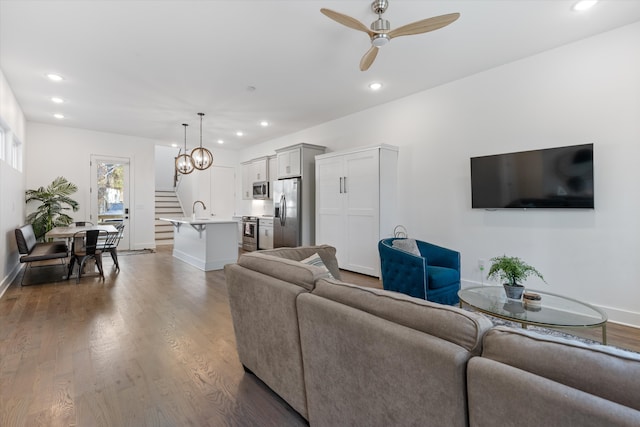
(513, 291)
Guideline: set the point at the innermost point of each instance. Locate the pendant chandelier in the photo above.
(202, 158)
(184, 162)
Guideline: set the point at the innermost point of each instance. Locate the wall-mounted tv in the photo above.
(551, 178)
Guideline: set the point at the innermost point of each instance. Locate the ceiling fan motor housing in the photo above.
(379, 6)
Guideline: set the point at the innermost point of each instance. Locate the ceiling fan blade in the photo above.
(424, 26)
(346, 20)
(368, 58)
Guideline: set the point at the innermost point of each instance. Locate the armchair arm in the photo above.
(439, 256)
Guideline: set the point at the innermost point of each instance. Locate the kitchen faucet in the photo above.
(193, 210)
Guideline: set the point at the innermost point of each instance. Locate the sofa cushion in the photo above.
(284, 264)
(317, 261)
(441, 277)
(453, 324)
(602, 371)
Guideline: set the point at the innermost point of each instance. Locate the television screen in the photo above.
(550, 178)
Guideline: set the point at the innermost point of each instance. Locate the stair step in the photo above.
(167, 204)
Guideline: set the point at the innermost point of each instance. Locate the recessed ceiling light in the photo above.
(220, 141)
(264, 123)
(55, 77)
(58, 116)
(584, 5)
(57, 100)
(239, 133)
(375, 86)
(174, 145)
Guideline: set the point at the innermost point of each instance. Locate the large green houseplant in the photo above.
(511, 271)
(54, 201)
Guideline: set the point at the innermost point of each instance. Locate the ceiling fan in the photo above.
(381, 32)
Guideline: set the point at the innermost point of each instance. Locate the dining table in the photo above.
(70, 231)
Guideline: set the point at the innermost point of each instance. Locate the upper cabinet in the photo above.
(253, 171)
(247, 182)
(297, 160)
(272, 168)
(289, 163)
(259, 170)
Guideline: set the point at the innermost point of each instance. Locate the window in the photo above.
(15, 158)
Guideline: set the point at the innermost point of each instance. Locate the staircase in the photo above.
(167, 205)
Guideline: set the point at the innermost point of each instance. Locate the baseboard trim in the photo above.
(6, 282)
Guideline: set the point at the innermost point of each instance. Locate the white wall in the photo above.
(196, 185)
(62, 151)
(585, 92)
(165, 166)
(12, 187)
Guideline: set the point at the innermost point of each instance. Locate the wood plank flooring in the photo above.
(152, 345)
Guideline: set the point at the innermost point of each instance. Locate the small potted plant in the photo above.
(512, 271)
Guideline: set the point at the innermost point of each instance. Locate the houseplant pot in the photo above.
(511, 271)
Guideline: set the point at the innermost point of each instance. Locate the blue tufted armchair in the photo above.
(434, 275)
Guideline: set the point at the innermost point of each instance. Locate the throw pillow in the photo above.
(315, 260)
(407, 245)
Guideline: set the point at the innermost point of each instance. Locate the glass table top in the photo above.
(554, 310)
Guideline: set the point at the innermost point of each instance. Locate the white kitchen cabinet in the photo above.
(289, 164)
(355, 204)
(272, 168)
(255, 170)
(259, 170)
(265, 233)
(247, 182)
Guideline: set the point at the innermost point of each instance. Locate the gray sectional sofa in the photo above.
(342, 354)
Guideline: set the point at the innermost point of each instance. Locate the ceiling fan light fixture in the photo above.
(379, 40)
(201, 157)
(184, 162)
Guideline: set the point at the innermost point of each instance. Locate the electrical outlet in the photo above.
(481, 264)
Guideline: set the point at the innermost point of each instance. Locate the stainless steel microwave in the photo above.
(261, 190)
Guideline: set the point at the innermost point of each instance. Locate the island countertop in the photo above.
(198, 220)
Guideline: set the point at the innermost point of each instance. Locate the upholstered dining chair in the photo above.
(420, 269)
(90, 250)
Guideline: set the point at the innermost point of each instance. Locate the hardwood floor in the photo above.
(152, 345)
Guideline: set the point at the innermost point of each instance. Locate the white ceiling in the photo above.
(142, 68)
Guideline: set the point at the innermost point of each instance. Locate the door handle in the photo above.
(340, 185)
(345, 184)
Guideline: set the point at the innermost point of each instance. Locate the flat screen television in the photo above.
(550, 178)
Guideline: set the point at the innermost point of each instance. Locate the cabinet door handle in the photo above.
(340, 185)
(288, 169)
(345, 184)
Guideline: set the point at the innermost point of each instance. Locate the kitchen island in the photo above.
(205, 243)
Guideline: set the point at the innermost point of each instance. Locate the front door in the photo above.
(110, 193)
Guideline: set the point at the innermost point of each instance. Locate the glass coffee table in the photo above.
(555, 311)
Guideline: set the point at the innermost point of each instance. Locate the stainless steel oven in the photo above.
(250, 233)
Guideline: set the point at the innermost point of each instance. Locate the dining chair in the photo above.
(90, 250)
(111, 244)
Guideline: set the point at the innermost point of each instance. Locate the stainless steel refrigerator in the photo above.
(287, 216)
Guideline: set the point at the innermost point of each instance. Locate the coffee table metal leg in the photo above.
(604, 333)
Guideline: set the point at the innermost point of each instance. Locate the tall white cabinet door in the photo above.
(361, 212)
(349, 215)
(330, 204)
